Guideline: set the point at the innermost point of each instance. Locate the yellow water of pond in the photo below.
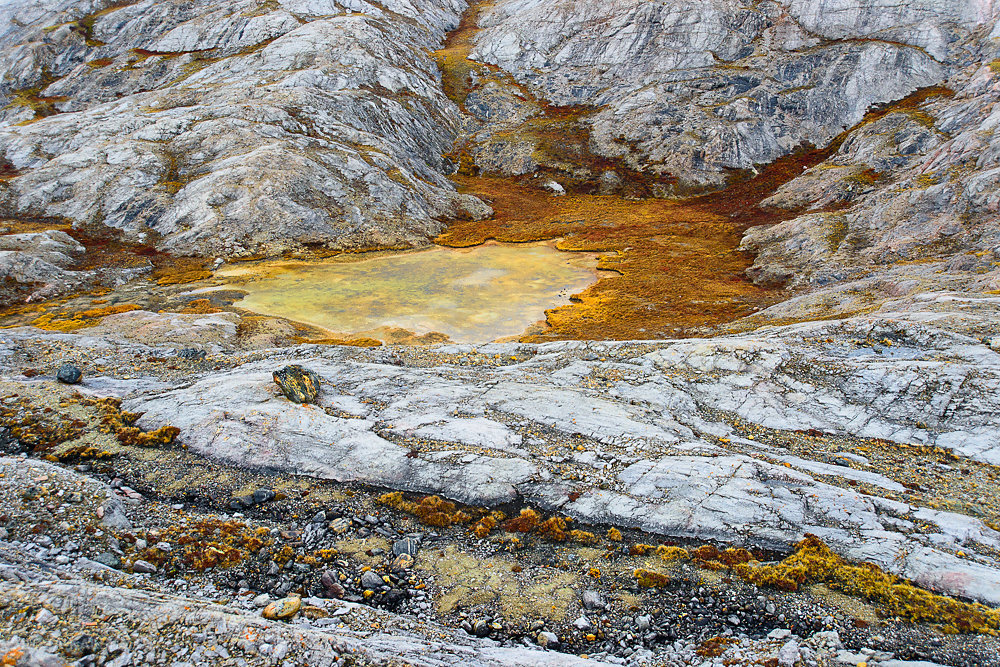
(471, 295)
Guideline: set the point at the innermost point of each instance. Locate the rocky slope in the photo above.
(914, 199)
(694, 90)
(232, 128)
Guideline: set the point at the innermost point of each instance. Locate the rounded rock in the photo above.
(69, 374)
(283, 608)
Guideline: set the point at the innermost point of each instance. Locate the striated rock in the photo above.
(224, 129)
(298, 384)
(906, 206)
(644, 464)
(693, 89)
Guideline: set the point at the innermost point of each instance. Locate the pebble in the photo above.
(547, 639)
(109, 559)
(283, 608)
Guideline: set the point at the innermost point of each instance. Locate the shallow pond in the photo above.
(471, 295)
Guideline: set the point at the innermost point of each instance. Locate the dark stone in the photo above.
(331, 585)
(298, 384)
(240, 503)
(109, 559)
(81, 645)
(11, 445)
(407, 545)
(69, 374)
(263, 495)
(481, 628)
(371, 581)
(192, 353)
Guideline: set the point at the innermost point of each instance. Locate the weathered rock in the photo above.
(407, 545)
(192, 354)
(591, 600)
(113, 514)
(371, 581)
(692, 89)
(282, 609)
(248, 130)
(143, 567)
(402, 562)
(69, 374)
(298, 384)
(547, 640)
(108, 559)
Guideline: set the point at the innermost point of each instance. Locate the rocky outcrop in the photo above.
(705, 439)
(909, 203)
(232, 128)
(695, 89)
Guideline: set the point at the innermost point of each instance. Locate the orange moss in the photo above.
(814, 562)
(651, 579)
(200, 307)
(553, 528)
(678, 263)
(87, 318)
(121, 424)
(525, 522)
(614, 535)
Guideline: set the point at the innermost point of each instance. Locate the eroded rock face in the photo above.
(907, 205)
(694, 89)
(230, 128)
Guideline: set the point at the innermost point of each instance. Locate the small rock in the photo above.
(339, 526)
(402, 562)
(481, 628)
(263, 495)
(547, 640)
(143, 567)
(371, 581)
(81, 645)
(112, 514)
(592, 600)
(69, 374)
(298, 384)
(582, 624)
(192, 353)
(554, 187)
(45, 617)
(788, 655)
(642, 623)
(283, 608)
(779, 633)
(407, 545)
(109, 559)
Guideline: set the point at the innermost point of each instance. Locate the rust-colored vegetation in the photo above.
(680, 270)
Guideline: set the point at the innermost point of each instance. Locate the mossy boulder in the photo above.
(298, 384)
